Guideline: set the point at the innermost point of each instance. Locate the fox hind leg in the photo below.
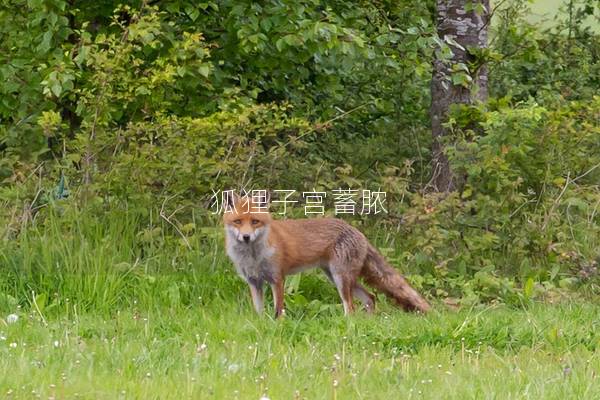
(345, 285)
(358, 291)
(366, 298)
(345, 290)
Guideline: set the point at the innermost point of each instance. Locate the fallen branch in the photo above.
(167, 218)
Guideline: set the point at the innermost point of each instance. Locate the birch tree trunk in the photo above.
(463, 25)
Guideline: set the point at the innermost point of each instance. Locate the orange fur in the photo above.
(266, 251)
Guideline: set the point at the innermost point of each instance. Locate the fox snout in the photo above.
(247, 237)
(244, 236)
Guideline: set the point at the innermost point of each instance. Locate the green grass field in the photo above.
(105, 312)
(544, 12)
(221, 350)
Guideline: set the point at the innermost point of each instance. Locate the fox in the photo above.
(265, 250)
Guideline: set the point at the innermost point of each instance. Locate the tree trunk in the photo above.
(462, 25)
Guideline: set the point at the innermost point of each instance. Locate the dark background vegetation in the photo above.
(117, 122)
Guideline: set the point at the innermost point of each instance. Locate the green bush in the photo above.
(528, 209)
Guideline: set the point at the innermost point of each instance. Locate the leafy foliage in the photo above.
(520, 213)
(151, 106)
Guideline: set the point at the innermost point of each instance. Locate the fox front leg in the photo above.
(257, 296)
(277, 289)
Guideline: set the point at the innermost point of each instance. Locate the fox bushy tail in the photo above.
(382, 276)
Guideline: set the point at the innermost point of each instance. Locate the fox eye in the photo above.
(237, 221)
(255, 221)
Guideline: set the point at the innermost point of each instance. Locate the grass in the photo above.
(221, 350)
(544, 13)
(110, 310)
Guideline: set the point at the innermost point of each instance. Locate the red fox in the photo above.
(266, 251)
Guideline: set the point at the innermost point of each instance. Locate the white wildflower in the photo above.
(12, 318)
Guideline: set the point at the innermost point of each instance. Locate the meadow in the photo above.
(220, 350)
(97, 319)
(545, 11)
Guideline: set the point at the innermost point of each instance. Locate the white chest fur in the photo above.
(252, 260)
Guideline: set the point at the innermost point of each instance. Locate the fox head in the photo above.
(246, 219)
